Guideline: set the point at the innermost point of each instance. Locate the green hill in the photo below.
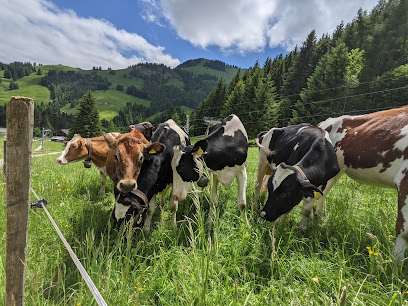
(156, 87)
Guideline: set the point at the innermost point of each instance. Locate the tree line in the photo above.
(359, 68)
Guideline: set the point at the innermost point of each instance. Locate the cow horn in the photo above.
(263, 214)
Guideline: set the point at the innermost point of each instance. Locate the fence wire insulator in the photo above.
(39, 204)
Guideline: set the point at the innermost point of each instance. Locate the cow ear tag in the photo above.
(140, 220)
(152, 151)
(317, 195)
(199, 151)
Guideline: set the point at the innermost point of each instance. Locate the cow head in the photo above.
(75, 150)
(286, 188)
(128, 205)
(129, 150)
(187, 168)
(145, 127)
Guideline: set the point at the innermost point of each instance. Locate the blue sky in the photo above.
(120, 33)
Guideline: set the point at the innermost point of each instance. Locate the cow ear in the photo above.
(154, 148)
(310, 190)
(110, 140)
(200, 147)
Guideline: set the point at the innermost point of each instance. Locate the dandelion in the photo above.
(371, 252)
(59, 189)
(68, 189)
(66, 225)
(144, 286)
(315, 279)
(311, 272)
(138, 283)
(79, 304)
(395, 219)
(368, 248)
(376, 254)
(139, 289)
(380, 283)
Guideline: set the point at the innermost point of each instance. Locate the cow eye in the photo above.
(116, 157)
(141, 158)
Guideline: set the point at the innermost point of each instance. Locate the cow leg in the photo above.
(320, 202)
(307, 212)
(214, 198)
(173, 207)
(263, 168)
(103, 184)
(150, 212)
(242, 183)
(402, 221)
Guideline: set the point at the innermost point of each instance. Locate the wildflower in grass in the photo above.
(59, 189)
(311, 272)
(395, 219)
(375, 254)
(315, 279)
(371, 252)
(380, 283)
(138, 283)
(66, 225)
(139, 289)
(368, 248)
(68, 189)
(144, 286)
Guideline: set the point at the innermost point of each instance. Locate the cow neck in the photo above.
(90, 148)
(141, 195)
(301, 172)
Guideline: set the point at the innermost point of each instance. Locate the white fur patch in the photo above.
(234, 125)
(280, 175)
(67, 147)
(402, 143)
(301, 129)
(120, 211)
(183, 136)
(227, 175)
(295, 147)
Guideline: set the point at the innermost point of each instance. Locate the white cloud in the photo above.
(38, 31)
(246, 26)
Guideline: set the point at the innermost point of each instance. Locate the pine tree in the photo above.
(324, 87)
(86, 122)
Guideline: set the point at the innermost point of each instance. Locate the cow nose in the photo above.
(263, 214)
(59, 161)
(127, 186)
(175, 197)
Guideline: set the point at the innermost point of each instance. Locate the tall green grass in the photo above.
(344, 257)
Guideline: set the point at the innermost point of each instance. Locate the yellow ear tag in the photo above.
(152, 151)
(317, 195)
(200, 151)
(140, 220)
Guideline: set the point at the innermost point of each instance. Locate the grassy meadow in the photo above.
(343, 259)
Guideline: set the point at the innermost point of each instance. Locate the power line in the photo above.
(314, 102)
(313, 91)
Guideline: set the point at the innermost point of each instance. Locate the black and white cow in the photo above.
(223, 151)
(155, 177)
(146, 128)
(305, 161)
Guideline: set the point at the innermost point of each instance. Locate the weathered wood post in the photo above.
(20, 121)
(4, 156)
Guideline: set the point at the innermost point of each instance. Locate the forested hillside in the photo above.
(361, 67)
(123, 96)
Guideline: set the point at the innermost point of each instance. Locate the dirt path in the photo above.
(37, 155)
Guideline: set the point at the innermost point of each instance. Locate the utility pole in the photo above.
(44, 135)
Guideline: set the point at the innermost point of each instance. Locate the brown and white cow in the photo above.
(373, 149)
(124, 162)
(88, 149)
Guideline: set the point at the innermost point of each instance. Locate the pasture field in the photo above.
(343, 259)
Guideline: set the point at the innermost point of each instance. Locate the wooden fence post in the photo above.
(20, 121)
(4, 156)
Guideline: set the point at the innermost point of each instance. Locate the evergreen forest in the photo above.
(359, 68)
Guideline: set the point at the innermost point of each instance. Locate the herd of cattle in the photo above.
(294, 163)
